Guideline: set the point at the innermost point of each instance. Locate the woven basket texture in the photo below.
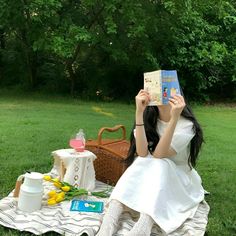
(111, 155)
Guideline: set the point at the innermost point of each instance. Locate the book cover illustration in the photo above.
(86, 206)
(161, 85)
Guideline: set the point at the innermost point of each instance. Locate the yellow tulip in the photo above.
(51, 201)
(65, 188)
(55, 180)
(59, 198)
(57, 184)
(47, 177)
(52, 193)
(62, 194)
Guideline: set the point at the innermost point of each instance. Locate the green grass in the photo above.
(217, 167)
(32, 127)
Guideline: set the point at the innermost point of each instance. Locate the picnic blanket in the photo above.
(60, 219)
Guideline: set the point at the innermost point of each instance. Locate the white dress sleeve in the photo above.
(183, 135)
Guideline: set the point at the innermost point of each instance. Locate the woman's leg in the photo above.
(142, 227)
(110, 219)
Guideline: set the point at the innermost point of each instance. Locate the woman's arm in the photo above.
(163, 148)
(142, 100)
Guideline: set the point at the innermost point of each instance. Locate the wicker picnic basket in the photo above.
(111, 155)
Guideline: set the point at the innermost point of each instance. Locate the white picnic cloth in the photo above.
(60, 219)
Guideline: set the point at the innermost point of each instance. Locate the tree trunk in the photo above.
(33, 58)
(31, 63)
(2, 46)
(2, 39)
(71, 76)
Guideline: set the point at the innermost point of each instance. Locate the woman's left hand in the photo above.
(177, 105)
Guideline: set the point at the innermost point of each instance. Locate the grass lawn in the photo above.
(32, 127)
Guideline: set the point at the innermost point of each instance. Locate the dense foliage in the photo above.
(102, 47)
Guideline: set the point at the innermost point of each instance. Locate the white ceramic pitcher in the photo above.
(31, 192)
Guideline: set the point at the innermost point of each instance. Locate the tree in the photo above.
(114, 27)
(80, 44)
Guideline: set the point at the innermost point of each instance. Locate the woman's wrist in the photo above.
(173, 120)
(139, 118)
(139, 124)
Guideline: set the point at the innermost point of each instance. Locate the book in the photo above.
(161, 85)
(86, 206)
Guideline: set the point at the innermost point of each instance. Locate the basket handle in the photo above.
(113, 129)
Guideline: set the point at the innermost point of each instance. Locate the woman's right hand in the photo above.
(142, 99)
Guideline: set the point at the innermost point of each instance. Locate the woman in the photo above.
(161, 183)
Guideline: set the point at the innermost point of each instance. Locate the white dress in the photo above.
(166, 189)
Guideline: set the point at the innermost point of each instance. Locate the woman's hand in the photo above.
(177, 105)
(142, 99)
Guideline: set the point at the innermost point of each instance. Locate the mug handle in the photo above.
(17, 186)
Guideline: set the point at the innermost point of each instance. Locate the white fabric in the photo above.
(166, 189)
(57, 218)
(79, 167)
(60, 219)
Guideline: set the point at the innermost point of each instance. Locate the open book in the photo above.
(161, 85)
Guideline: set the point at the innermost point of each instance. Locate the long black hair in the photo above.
(150, 116)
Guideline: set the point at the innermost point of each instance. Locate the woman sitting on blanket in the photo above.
(161, 184)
